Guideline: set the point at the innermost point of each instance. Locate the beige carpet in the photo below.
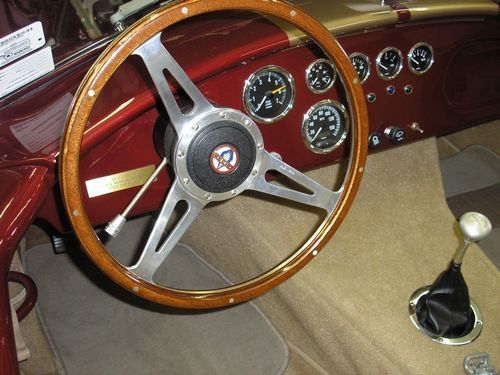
(95, 327)
(347, 311)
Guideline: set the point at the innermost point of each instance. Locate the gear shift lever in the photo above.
(475, 227)
(444, 310)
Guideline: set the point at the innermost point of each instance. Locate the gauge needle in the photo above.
(317, 134)
(278, 89)
(414, 60)
(260, 104)
(383, 66)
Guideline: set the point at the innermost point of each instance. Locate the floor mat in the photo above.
(474, 168)
(471, 181)
(96, 327)
(486, 201)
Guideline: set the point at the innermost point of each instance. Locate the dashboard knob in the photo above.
(374, 140)
(396, 135)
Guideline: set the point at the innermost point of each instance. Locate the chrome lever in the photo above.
(115, 226)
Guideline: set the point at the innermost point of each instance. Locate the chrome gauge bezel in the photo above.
(330, 85)
(412, 69)
(248, 83)
(400, 64)
(368, 63)
(307, 115)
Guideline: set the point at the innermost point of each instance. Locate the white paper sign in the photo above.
(26, 70)
(21, 42)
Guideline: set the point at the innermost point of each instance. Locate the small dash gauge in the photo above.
(268, 94)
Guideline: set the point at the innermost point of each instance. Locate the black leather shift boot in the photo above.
(445, 311)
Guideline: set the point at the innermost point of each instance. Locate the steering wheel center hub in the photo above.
(221, 156)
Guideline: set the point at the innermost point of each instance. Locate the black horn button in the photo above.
(221, 157)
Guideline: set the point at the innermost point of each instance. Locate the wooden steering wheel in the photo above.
(228, 126)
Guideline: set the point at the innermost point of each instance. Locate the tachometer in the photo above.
(420, 58)
(361, 64)
(325, 126)
(320, 75)
(268, 94)
(389, 63)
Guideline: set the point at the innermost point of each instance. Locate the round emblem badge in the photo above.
(224, 159)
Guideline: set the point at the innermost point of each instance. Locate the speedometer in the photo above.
(325, 126)
(268, 94)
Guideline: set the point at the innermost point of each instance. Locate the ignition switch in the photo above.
(396, 135)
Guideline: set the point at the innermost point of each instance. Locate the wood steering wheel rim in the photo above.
(87, 94)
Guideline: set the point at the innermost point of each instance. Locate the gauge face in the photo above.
(361, 64)
(268, 94)
(389, 63)
(320, 75)
(420, 58)
(325, 126)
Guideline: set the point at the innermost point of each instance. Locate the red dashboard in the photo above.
(454, 93)
(458, 90)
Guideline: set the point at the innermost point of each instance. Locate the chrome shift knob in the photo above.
(474, 227)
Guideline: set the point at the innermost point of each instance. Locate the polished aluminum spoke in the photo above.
(320, 196)
(157, 59)
(153, 255)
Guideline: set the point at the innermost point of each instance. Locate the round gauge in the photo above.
(389, 63)
(268, 94)
(325, 126)
(320, 75)
(420, 58)
(361, 64)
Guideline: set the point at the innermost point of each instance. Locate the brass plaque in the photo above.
(119, 181)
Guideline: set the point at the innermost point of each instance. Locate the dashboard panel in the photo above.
(404, 109)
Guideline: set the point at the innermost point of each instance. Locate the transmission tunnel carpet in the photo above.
(95, 327)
